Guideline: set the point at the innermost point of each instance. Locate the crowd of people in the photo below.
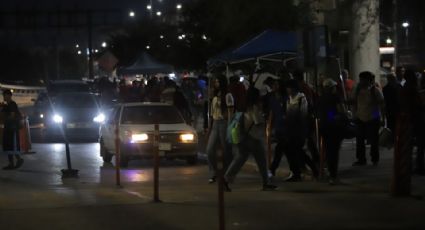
(287, 111)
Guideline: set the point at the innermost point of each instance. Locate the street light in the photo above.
(179, 6)
(148, 47)
(158, 13)
(104, 44)
(406, 28)
(389, 41)
(77, 46)
(131, 14)
(149, 7)
(161, 36)
(79, 52)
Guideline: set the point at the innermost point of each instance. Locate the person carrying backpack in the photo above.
(12, 119)
(246, 133)
(368, 107)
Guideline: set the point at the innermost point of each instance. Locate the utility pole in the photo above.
(395, 33)
(90, 45)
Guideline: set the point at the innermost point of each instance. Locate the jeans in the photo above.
(332, 143)
(242, 151)
(218, 137)
(367, 130)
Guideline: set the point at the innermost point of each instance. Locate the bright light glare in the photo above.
(405, 24)
(204, 37)
(77, 46)
(99, 118)
(172, 75)
(139, 137)
(148, 47)
(149, 7)
(41, 115)
(57, 118)
(161, 36)
(388, 41)
(187, 137)
(79, 52)
(104, 44)
(131, 14)
(158, 13)
(179, 6)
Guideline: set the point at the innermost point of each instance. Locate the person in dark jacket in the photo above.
(11, 131)
(330, 111)
(391, 97)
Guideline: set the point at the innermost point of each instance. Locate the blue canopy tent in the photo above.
(269, 45)
(145, 64)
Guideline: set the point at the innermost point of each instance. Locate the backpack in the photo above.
(236, 131)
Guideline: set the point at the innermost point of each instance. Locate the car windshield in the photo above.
(76, 101)
(70, 87)
(150, 115)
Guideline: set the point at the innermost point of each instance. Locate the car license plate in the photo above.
(77, 125)
(164, 146)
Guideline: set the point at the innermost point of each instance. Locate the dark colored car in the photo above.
(78, 115)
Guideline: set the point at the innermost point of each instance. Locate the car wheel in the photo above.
(107, 157)
(192, 160)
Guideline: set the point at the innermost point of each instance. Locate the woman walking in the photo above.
(12, 119)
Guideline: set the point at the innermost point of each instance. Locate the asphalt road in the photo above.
(36, 196)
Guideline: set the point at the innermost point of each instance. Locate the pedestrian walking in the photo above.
(368, 107)
(12, 121)
(391, 96)
(275, 123)
(331, 116)
(252, 142)
(221, 110)
(296, 123)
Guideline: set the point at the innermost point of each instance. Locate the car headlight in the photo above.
(187, 137)
(99, 118)
(136, 138)
(57, 118)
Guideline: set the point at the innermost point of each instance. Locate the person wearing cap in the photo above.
(368, 107)
(330, 110)
(11, 131)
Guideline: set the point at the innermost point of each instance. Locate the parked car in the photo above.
(135, 123)
(75, 114)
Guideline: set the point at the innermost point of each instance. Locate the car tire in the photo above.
(107, 156)
(192, 160)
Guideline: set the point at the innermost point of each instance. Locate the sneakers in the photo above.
(269, 187)
(19, 163)
(359, 163)
(226, 187)
(9, 167)
(293, 179)
(212, 180)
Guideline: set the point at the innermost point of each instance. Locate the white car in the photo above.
(136, 133)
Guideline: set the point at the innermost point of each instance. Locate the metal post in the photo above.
(156, 165)
(221, 217)
(117, 156)
(69, 172)
(90, 35)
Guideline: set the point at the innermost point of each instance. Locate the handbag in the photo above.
(347, 126)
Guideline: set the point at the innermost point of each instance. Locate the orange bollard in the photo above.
(25, 137)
